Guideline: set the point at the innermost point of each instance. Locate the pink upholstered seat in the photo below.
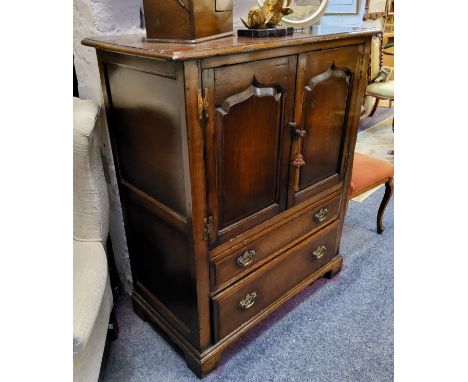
(369, 171)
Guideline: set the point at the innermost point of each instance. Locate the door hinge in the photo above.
(346, 163)
(207, 228)
(203, 103)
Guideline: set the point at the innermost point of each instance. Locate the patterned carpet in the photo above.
(377, 140)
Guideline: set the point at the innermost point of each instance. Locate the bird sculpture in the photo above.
(268, 15)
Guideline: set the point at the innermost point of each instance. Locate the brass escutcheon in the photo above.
(248, 301)
(321, 215)
(246, 258)
(319, 252)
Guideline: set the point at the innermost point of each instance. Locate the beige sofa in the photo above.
(92, 295)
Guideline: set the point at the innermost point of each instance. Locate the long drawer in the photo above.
(227, 267)
(244, 300)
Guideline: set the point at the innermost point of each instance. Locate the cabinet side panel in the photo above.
(145, 122)
(160, 256)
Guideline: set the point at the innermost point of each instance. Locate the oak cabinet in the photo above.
(233, 159)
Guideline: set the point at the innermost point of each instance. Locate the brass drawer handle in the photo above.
(246, 258)
(248, 301)
(321, 215)
(319, 252)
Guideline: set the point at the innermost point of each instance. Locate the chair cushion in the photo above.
(381, 89)
(89, 284)
(368, 171)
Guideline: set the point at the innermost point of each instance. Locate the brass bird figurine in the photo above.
(268, 15)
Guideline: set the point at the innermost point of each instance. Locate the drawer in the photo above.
(244, 300)
(227, 267)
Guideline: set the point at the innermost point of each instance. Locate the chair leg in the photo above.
(374, 109)
(383, 205)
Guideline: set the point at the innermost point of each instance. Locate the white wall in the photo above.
(99, 17)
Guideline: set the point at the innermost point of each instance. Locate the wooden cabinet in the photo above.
(233, 161)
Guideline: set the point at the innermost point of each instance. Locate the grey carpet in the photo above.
(336, 330)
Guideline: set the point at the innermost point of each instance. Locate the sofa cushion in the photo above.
(89, 283)
(381, 89)
(368, 171)
(87, 363)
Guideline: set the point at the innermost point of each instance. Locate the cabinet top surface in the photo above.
(137, 44)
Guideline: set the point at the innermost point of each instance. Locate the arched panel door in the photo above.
(247, 146)
(319, 151)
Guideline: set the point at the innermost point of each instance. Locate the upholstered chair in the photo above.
(379, 87)
(368, 173)
(92, 295)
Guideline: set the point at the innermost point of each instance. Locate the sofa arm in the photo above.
(89, 283)
(90, 198)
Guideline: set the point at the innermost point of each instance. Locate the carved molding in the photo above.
(331, 72)
(254, 90)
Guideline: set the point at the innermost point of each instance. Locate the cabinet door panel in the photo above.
(247, 146)
(324, 111)
(323, 97)
(250, 124)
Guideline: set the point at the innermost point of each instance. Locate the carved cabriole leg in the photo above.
(204, 366)
(388, 194)
(374, 109)
(336, 265)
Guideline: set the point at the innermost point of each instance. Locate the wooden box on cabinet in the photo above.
(187, 20)
(233, 159)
